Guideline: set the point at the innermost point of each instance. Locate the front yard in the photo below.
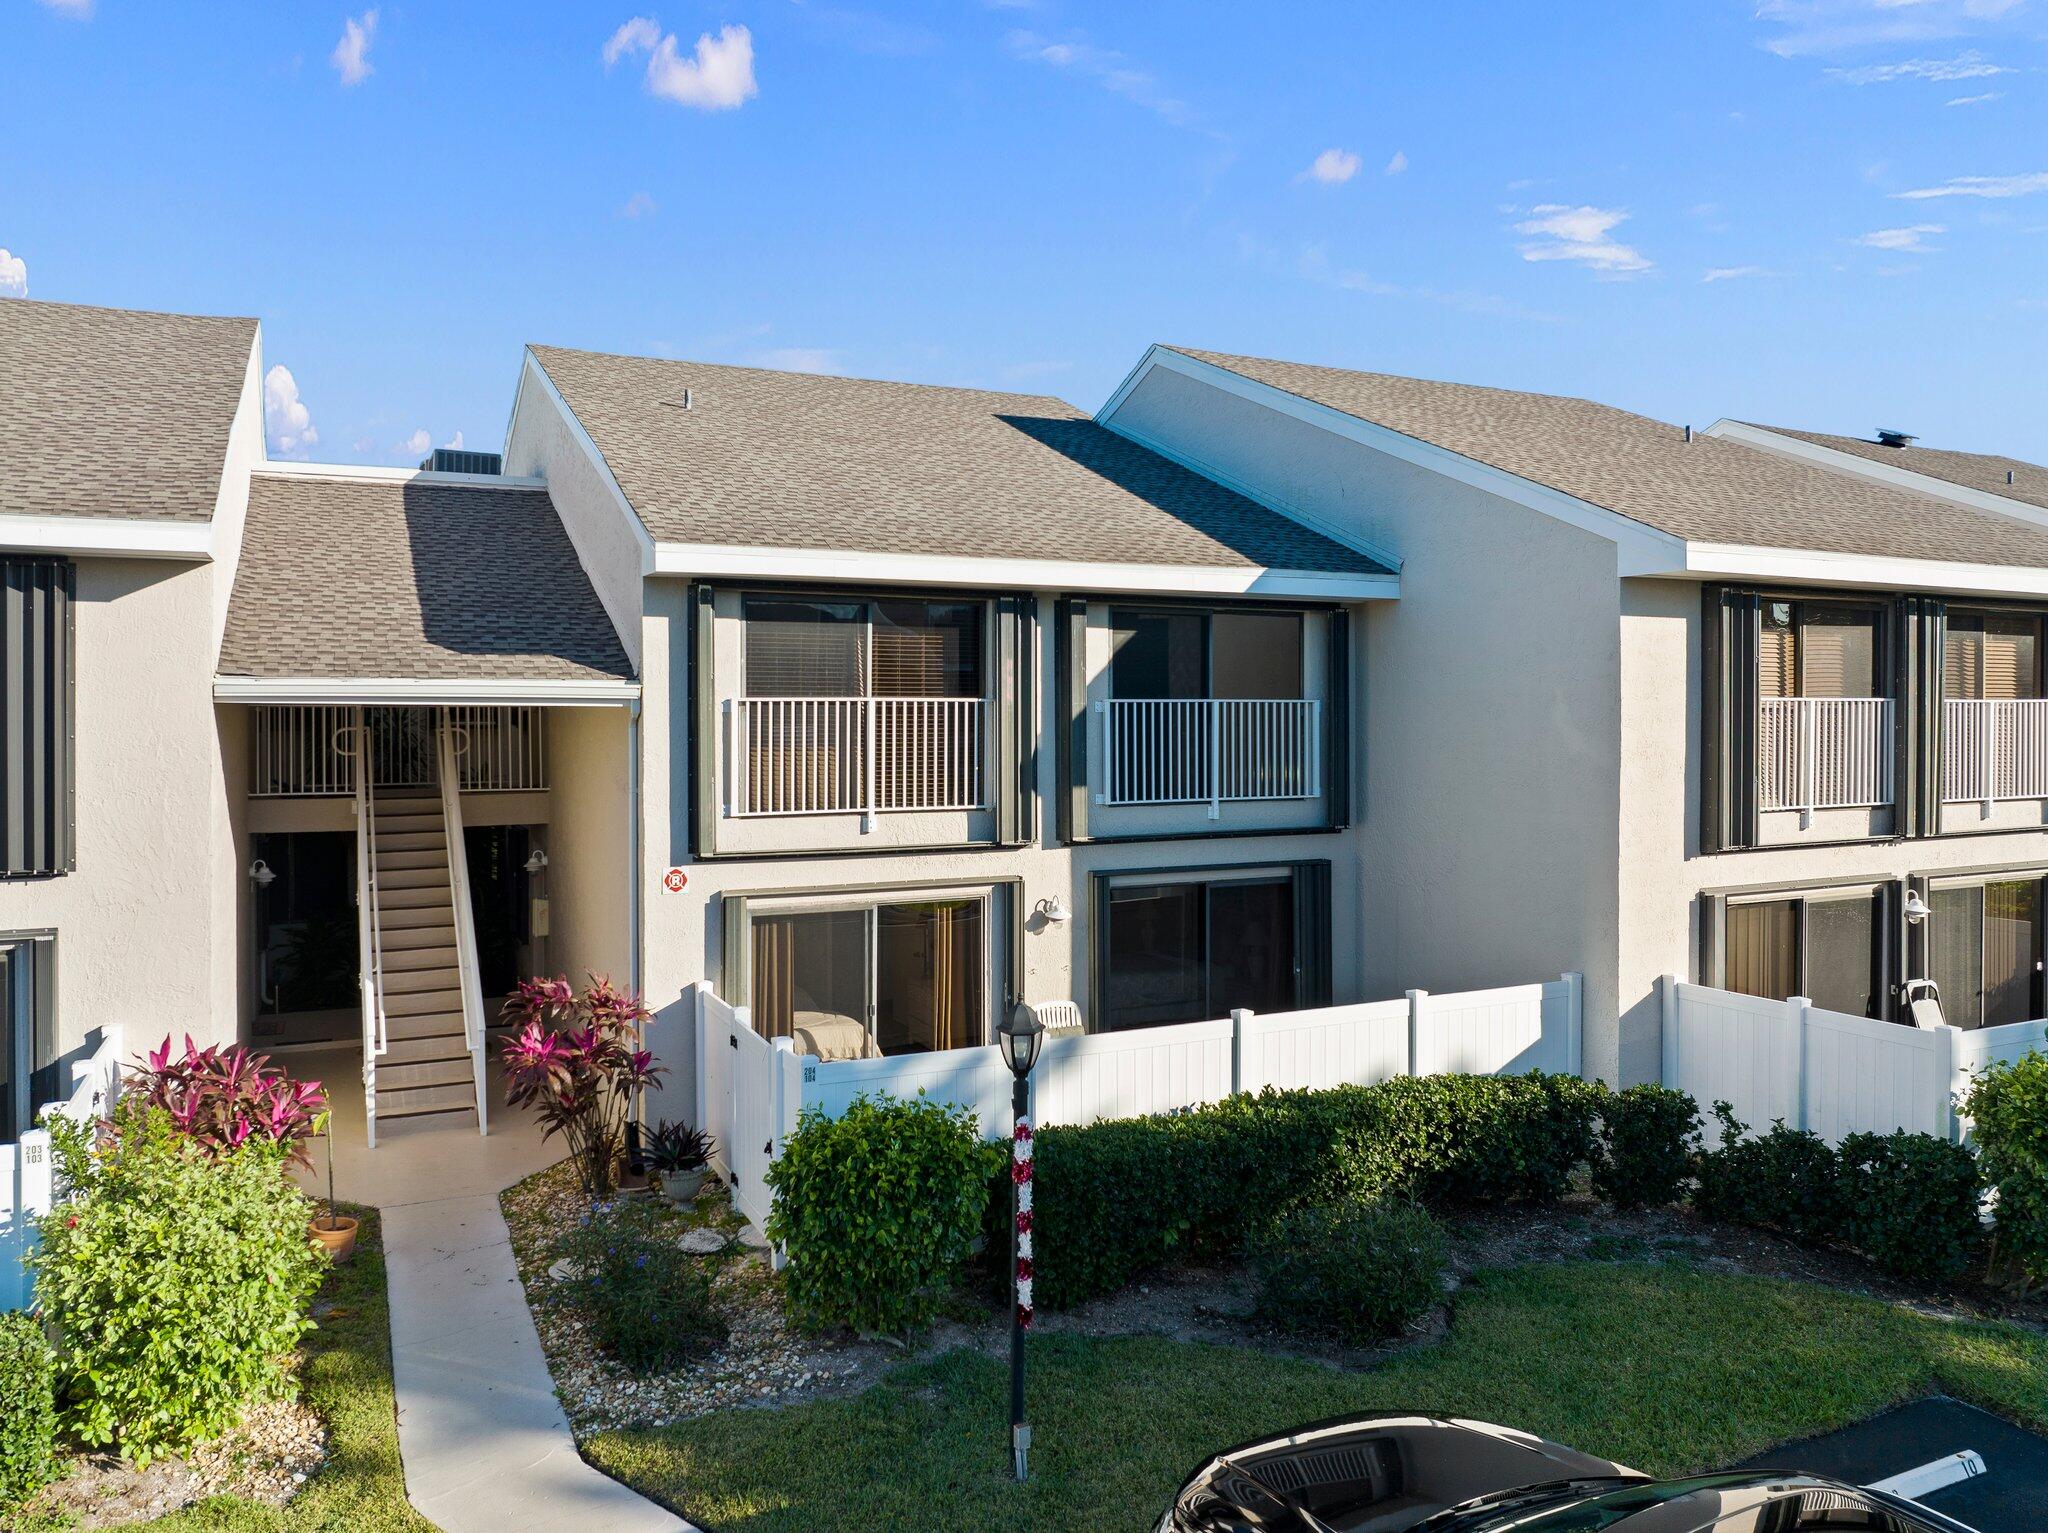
(1664, 1365)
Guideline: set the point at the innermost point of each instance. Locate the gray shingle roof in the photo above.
(1971, 470)
(1709, 490)
(441, 582)
(114, 412)
(792, 460)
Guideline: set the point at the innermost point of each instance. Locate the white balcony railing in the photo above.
(855, 755)
(1209, 750)
(1994, 749)
(310, 751)
(1824, 753)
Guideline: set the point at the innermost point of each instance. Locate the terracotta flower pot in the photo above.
(336, 1236)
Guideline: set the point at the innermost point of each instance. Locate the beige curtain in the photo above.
(946, 955)
(1763, 949)
(1991, 657)
(773, 992)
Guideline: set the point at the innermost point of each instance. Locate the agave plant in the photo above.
(574, 1060)
(221, 1099)
(673, 1148)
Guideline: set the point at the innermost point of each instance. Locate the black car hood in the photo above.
(1370, 1474)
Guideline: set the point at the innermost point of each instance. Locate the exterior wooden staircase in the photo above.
(423, 1030)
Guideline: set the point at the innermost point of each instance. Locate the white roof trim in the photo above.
(1883, 473)
(1640, 548)
(588, 443)
(1870, 571)
(365, 473)
(410, 689)
(854, 566)
(112, 536)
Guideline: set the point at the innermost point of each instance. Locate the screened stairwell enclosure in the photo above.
(312, 751)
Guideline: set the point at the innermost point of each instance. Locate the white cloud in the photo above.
(1581, 235)
(351, 56)
(1397, 164)
(289, 423)
(1964, 66)
(639, 205)
(454, 443)
(801, 359)
(1731, 273)
(1981, 186)
(717, 77)
(1805, 28)
(13, 275)
(1911, 238)
(80, 10)
(1333, 167)
(636, 36)
(1109, 69)
(1990, 95)
(416, 445)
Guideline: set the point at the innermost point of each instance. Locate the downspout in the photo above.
(633, 832)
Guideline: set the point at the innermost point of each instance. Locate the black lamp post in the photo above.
(1020, 1034)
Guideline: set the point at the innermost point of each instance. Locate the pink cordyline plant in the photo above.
(575, 1060)
(222, 1099)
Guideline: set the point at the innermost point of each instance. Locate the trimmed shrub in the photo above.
(1911, 1203)
(877, 1209)
(28, 1408)
(2008, 1106)
(1359, 1270)
(1115, 1200)
(647, 1302)
(1786, 1179)
(1648, 1138)
(178, 1280)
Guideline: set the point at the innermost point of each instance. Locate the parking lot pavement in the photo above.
(2010, 1497)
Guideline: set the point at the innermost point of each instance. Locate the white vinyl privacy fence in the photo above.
(751, 1089)
(27, 1170)
(1825, 1071)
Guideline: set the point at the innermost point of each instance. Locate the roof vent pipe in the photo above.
(2008, 476)
(686, 399)
(1688, 433)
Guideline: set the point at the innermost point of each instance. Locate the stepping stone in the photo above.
(564, 1271)
(753, 1239)
(702, 1242)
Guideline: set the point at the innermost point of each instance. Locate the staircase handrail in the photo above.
(465, 913)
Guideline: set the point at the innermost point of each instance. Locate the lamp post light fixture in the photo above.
(1019, 1035)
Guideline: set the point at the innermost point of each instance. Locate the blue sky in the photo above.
(1827, 213)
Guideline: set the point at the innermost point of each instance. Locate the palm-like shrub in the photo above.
(575, 1060)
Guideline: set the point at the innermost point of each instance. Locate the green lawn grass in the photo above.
(1665, 1367)
(346, 1378)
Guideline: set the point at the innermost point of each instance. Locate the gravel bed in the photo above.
(267, 1458)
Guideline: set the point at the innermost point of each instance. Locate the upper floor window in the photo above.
(1994, 723)
(804, 648)
(36, 773)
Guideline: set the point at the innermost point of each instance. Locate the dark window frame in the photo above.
(28, 992)
(1308, 880)
(1889, 961)
(38, 770)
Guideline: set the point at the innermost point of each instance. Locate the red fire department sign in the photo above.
(674, 880)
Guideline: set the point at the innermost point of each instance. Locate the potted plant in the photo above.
(679, 1157)
(333, 1233)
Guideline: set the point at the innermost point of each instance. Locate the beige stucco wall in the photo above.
(544, 442)
(1662, 871)
(1491, 708)
(682, 941)
(139, 925)
(588, 841)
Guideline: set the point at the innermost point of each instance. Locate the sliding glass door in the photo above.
(1194, 949)
(858, 981)
(1984, 951)
(1828, 947)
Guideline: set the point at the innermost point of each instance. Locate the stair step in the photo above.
(423, 860)
(412, 886)
(408, 803)
(412, 914)
(407, 1102)
(399, 938)
(389, 825)
(412, 981)
(439, 1072)
(440, 1018)
(410, 841)
(408, 1049)
(403, 960)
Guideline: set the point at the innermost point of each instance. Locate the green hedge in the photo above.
(2008, 1108)
(28, 1407)
(1648, 1138)
(1359, 1270)
(1116, 1200)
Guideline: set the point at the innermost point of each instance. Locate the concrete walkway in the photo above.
(485, 1445)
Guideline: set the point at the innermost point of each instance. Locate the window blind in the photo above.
(1838, 654)
(1991, 657)
(805, 648)
(1763, 949)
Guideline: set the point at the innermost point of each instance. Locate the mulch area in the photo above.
(766, 1362)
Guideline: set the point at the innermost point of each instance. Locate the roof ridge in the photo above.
(538, 347)
(108, 308)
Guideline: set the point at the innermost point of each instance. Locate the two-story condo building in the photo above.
(882, 707)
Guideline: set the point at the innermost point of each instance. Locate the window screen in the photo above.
(1837, 653)
(1991, 656)
(1255, 654)
(1158, 654)
(1841, 955)
(927, 649)
(1763, 949)
(805, 648)
(1955, 953)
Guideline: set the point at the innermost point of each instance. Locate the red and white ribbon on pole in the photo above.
(1020, 1174)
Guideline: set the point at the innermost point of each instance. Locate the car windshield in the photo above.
(1571, 1506)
